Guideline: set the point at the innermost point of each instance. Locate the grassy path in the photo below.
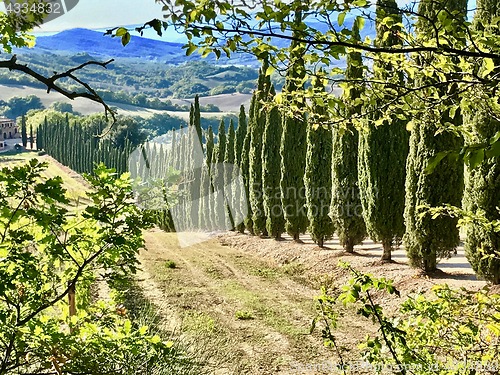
(253, 318)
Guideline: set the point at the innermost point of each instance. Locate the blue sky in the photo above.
(102, 14)
(98, 14)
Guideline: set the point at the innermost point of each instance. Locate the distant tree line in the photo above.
(80, 148)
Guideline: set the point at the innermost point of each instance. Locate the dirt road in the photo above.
(255, 316)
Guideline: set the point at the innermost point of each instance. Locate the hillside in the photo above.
(95, 43)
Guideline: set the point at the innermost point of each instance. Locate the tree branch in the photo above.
(51, 82)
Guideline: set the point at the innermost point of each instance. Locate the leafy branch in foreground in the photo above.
(267, 30)
(449, 332)
(49, 257)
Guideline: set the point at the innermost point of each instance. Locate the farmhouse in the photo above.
(9, 129)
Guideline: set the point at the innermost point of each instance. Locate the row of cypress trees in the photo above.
(77, 146)
(378, 185)
(299, 176)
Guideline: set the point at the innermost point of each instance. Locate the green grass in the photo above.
(268, 310)
(199, 322)
(243, 315)
(75, 189)
(170, 264)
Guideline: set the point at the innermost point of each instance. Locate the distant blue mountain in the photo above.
(95, 43)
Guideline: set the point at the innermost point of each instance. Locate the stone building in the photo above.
(8, 130)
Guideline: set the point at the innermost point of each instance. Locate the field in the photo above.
(74, 184)
(228, 103)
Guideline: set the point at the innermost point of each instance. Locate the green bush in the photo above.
(449, 332)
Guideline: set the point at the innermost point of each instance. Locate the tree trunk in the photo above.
(296, 237)
(349, 246)
(429, 264)
(321, 242)
(387, 254)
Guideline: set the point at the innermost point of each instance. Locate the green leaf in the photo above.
(495, 138)
(489, 66)
(434, 161)
(270, 70)
(341, 18)
(190, 49)
(125, 38)
(361, 23)
(121, 31)
(494, 150)
(475, 158)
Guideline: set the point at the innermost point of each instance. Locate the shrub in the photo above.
(449, 332)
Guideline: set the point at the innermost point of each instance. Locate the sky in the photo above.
(100, 14)
(103, 14)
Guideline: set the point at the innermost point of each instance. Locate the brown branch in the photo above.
(361, 47)
(51, 82)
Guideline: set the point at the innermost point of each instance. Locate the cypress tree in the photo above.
(32, 139)
(238, 202)
(482, 188)
(427, 239)
(228, 173)
(383, 149)
(245, 172)
(271, 173)
(346, 210)
(24, 133)
(293, 147)
(204, 213)
(241, 132)
(218, 176)
(40, 136)
(318, 178)
(206, 187)
(197, 118)
(257, 121)
(213, 200)
(195, 162)
(210, 145)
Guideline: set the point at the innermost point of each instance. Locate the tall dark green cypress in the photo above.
(257, 120)
(228, 173)
(218, 176)
(24, 132)
(32, 139)
(346, 210)
(482, 188)
(383, 149)
(241, 132)
(318, 177)
(204, 207)
(197, 118)
(210, 145)
(245, 172)
(195, 160)
(271, 173)
(239, 203)
(206, 187)
(214, 199)
(427, 239)
(293, 146)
